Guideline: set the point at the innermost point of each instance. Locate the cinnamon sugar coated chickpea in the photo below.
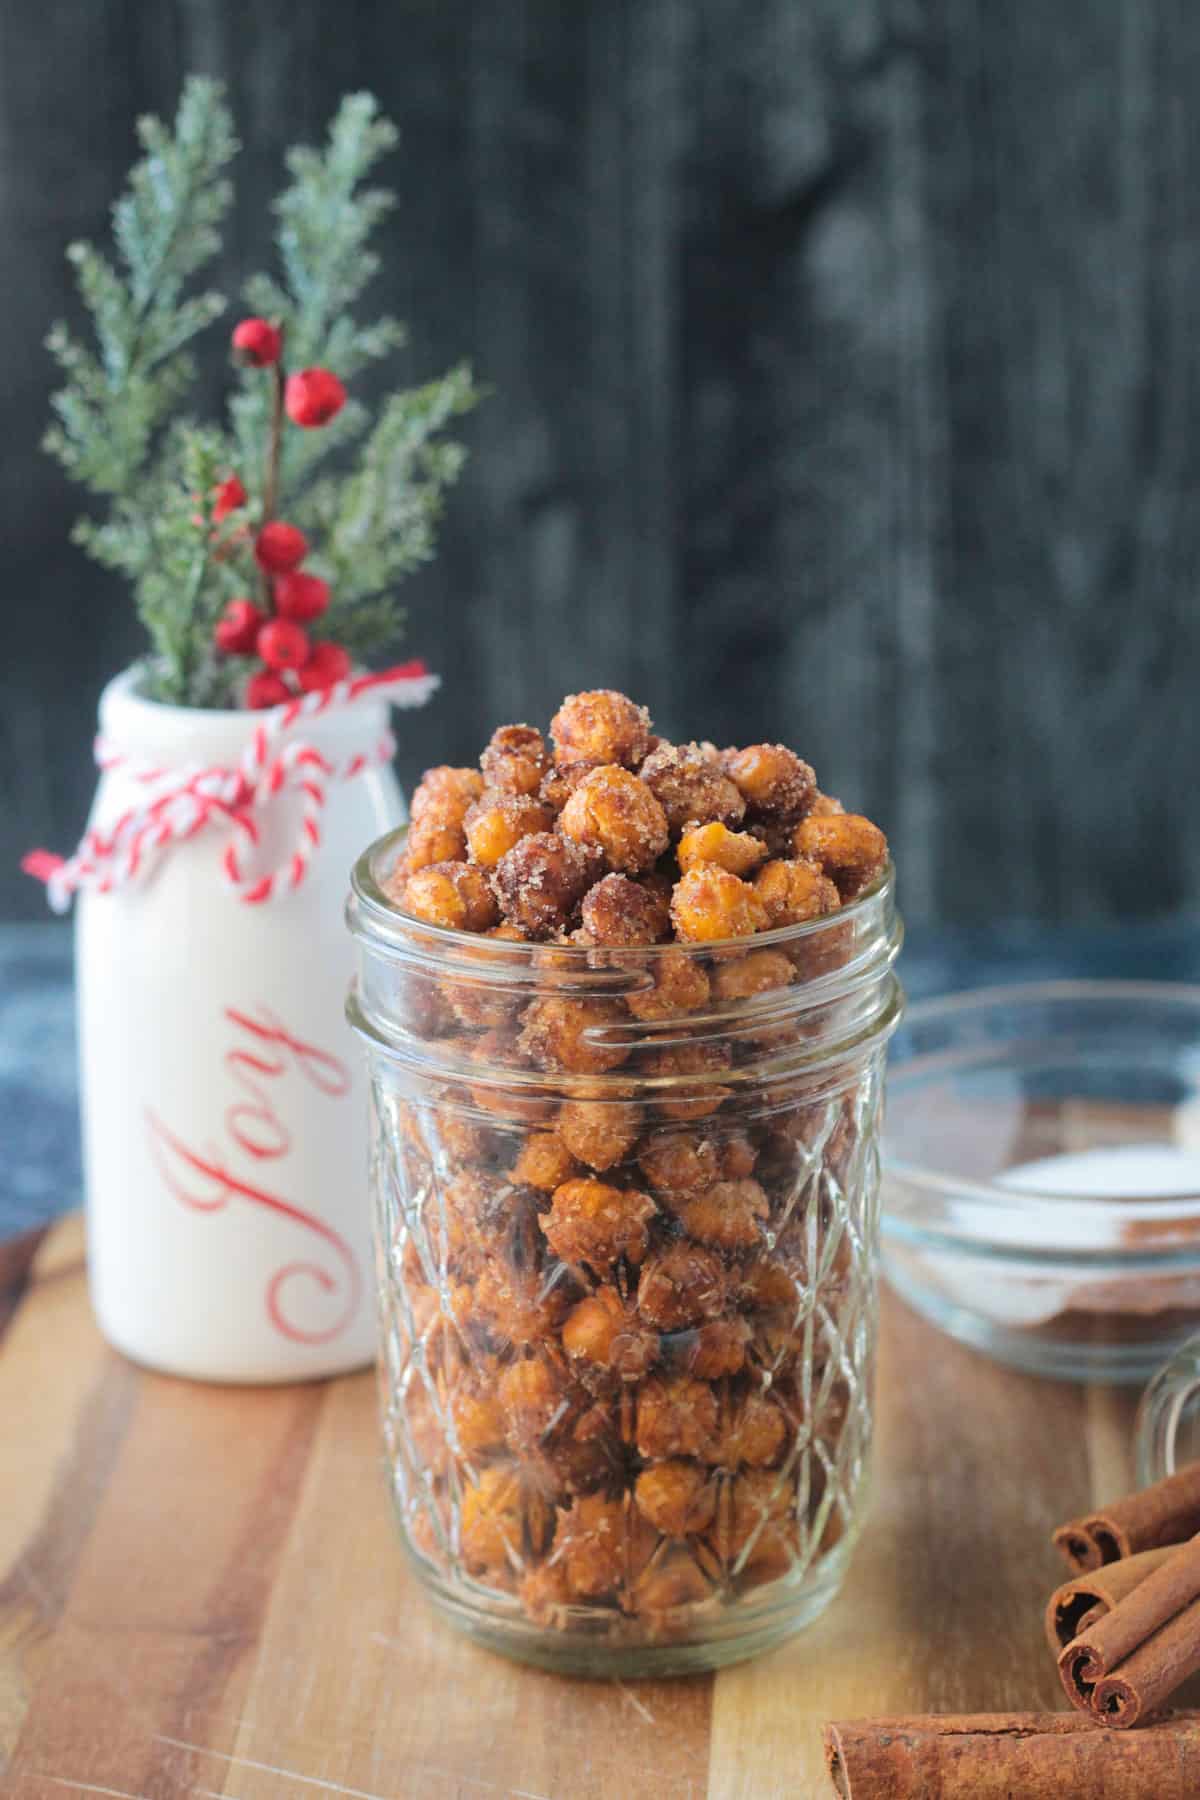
(710, 904)
(446, 791)
(433, 838)
(772, 780)
(453, 895)
(679, 984)
(794, 892)
(616, 814)
(676, 1496)
(604, 1332)
(575, 1035)
(592, 1223)
(601, 726)
(676, 1416)
(516, 759)
(599, 1132)
(619, 1415)
(619, 913)
(544, 1162)
(681, 1285)
(849, 849)
(498, 821)
(736, 851)
(691, 789)
(757, 972)
(540, 882)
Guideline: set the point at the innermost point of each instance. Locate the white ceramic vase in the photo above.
(224, 1112)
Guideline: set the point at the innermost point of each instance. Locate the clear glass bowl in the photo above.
(627, 1239)
(1086, 1267)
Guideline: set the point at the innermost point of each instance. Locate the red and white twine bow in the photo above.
(182, 802)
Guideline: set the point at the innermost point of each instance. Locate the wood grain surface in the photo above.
(844, 379)
(201, 1591)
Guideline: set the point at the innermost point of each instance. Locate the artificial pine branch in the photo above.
(166, 228)
(370, 515)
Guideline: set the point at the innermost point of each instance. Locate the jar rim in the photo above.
(378, 921)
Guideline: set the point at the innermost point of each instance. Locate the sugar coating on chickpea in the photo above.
(772, 780)
(532, 1395)
(446, 791)
(600, 726)
(677, 1497)
(757, 972)
(715, 1349)
(560, 781)
(680, 985)
(592, 1223)
(602, 1545)
(849, 849)
(517, 1308)
(432, 838)
(498, 1521)
(709, 905)
(477, 1421)
(615, 812)
(497, 821)
(754, 1432)
(544, 1162)
(545, 1595)
(681, 1285)
(692, 1068)
(599, 1132)
(516, 759)
(575, 1035)
(619, 913)
(540, 882)
(795, 891)
(601, 1331)
(676, 1162)
(728, 1215)
(739, 852)
(454, 895)
(825, 806)
(746, 1508)
(676, 1416)
(691, 789)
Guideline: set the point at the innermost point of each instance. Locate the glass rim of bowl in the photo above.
(985, 1201)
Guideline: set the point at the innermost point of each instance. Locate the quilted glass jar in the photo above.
(627, 1213)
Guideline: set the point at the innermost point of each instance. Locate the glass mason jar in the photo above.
(627, 1215)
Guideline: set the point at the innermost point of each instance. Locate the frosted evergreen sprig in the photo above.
(188, 504)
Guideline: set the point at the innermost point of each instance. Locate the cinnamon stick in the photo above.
(1167, 1513)
(1082, 1602)
(997, 1756)
(1127, 1664)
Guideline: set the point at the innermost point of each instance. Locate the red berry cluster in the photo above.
(275, 630)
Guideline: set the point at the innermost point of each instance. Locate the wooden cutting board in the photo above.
(201, 1591)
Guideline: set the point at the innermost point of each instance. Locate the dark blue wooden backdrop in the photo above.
(846, 366)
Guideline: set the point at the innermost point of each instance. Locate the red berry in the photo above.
(237, 628)
(257, 341)
(279, 547)
(313, 397)
(230, 495)
(301, 596)
(327, 664)
(266, 689)
(282, 644)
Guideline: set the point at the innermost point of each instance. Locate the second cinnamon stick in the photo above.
(1104, 1588)
(1167, 1513)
